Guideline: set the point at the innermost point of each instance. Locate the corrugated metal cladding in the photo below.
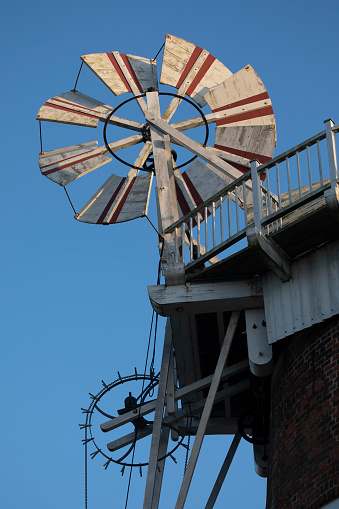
(311, 296)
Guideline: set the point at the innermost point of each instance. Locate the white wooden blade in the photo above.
(123, 73)
(249, 142)
(191, 69)
(197, 184)
(120, 198)
(74, 108)
(67, 164)
(242, 90)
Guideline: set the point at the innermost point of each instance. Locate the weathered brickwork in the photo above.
(304, 435)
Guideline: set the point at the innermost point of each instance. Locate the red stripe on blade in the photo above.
(62, 160)
(248, 100)
(70, 103)
(195, 195)
(69, 110)
(193, 58)
(122, 202)
(201, 73)
(131, 71)
(243, 153)
(109, 204)
(261, 112)
(119, 71)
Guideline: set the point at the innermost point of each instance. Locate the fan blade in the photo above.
(124, 73)
(120, 198)
(74, 108)
(67, 164)
(250, 142)
(197, 184)
(246, 91)
(191, 69)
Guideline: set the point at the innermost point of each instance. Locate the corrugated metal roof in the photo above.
(311, 296)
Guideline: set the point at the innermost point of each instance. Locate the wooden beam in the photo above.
(194, 298)
(272, 255)
(223, 471)
(183, 392)
(207, 409)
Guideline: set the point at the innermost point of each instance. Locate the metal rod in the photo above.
(268, 192)
(309, 168)
(245, 201)
(198, 234)
(229, 214)
(278, 183)
(183, 242)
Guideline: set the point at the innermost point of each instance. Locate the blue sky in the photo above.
(74, 299)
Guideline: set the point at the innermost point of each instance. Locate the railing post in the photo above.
(332, 153)
(257, 199)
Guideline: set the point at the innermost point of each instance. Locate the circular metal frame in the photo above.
(146, 126)
(154, 381)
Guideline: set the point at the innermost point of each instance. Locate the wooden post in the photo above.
(257, 199)
(332, 153)
(157, 425)
(207, 409)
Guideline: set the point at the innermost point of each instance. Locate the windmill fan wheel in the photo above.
(238, 104)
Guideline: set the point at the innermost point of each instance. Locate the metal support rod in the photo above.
(207, 409)
(223, 471)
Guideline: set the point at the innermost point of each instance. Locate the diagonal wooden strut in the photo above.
(207, 409)
(223, 471)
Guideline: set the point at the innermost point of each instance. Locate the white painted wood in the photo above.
(207, 410)
(159, 472)
(310, 297)
(243, 87)
(219, 165)
(272, 254)
(183, 59)
(69, 163)
(183, 392)
(74, 108)
(223, 471)
(260, 353)
(131, 81)
(133, 192)
(332, 152)
(158, 417)
(251, 141)
(257, 198)
(165, 194)
(102, 66)
(193, 298)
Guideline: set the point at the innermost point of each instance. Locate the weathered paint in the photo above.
(191, 69)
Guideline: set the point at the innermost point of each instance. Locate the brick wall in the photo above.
(304, 436)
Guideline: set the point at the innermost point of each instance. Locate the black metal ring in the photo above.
(143, 95)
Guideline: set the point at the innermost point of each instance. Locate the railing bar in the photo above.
(298, 173)
(198, 234)
(175, 246)
(183, 242)
(278, 183)
(237, 208)
(309, 167)
(288, 179)
(229, 214)
(206, 230)
(221, 220)
(245, 201)
(213, 222)
(320, 165)
(191, 239)
(268, 193)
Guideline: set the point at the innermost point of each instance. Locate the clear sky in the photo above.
(74, 299)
